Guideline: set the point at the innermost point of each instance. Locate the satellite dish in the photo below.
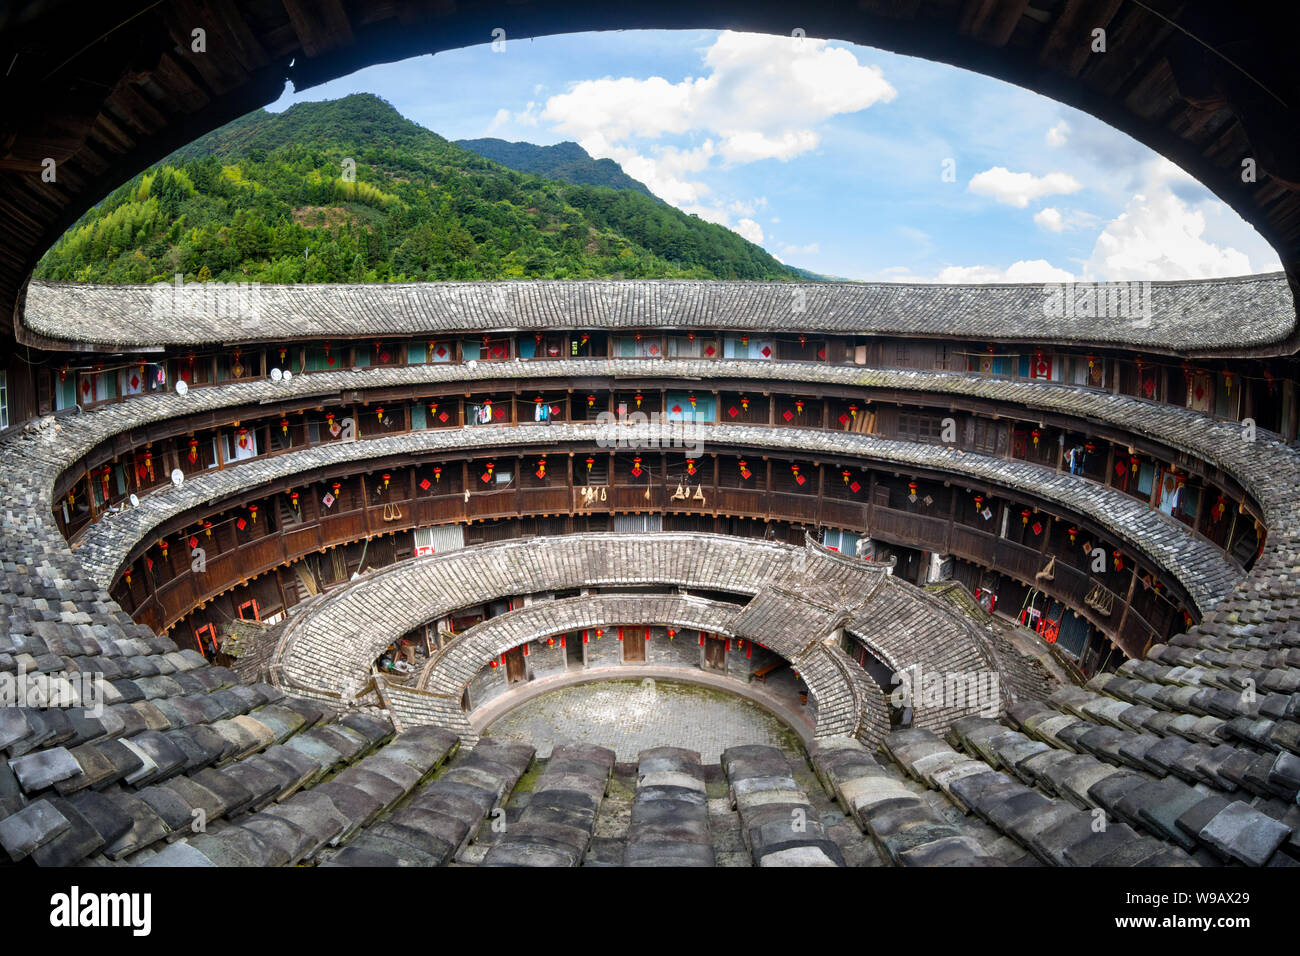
(181, 387)
(135, 502)
(287, 375)
(178, 476)
(276, 375)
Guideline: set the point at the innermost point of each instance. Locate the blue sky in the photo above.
(843, 159)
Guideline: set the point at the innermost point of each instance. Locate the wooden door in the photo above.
(715, 653)
(633, 644)
(515, 665)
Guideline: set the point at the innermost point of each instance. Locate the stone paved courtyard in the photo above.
(630, 716)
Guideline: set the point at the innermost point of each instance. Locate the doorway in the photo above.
(715, 653)
(515, 669)
(633, 644)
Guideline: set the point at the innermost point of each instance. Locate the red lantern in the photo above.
(845, 475)
(853, 411)
(1119, 562)
(386, 476)
(744, 340)
(672, 632)
(433, 409)
(252, 513)
(207, 529)
(591, 401)
(194, 450)
(148, 464)
(690, 336)
(493, 663)
(979, 502)
(690, 466)
(541, 468)
(1036, 435)
(550, 642)
(336, 486)
(128, 578)
(636, 467)
(283, 352)
(638, 399)
(379, 413)
(162, 546)
(284, 426)
(329, 419)
(437, 472)
(590, 463)
(1133, 460)
(798, 405)
(1073, 533)
(1089, 448)
(744, 403)
(599, 633)
(692, 401)
(293, 500)
(911, 488)
(744, 469)
(1024, 516)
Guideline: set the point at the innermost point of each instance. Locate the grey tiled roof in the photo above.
(1184, 316)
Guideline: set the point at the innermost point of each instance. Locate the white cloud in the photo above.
(759, 99)
(1159, 236)
(811, 249)
(1050, 218)
(1059, 134)
(750, 230)
(501, 119)
(1017, 189)
(1031, 270)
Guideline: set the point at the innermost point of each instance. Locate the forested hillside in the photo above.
(350, 191)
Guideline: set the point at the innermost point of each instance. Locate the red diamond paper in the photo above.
(653, 350)
(745, 473)
(821, 353)
(636, 472)
(555, 409)
(241, 524)
(194, 542)
(787, 415)
(855, 487)
(844, 419)
(498, 413)
(677, 409)
(443, 417)
(485, 476)
(424, 485)
(709, 350)
(1037, 527)
(766, 352)
(440, 351)
(383, 357)
(135, 381)
(330, 361)
(800, 479)
(733, 411)
(1119, 467)
(497, 351)
(540, 473)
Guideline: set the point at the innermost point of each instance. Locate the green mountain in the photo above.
(350, 191)
(566, 161)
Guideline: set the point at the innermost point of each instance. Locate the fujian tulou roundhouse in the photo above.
(308, 542)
